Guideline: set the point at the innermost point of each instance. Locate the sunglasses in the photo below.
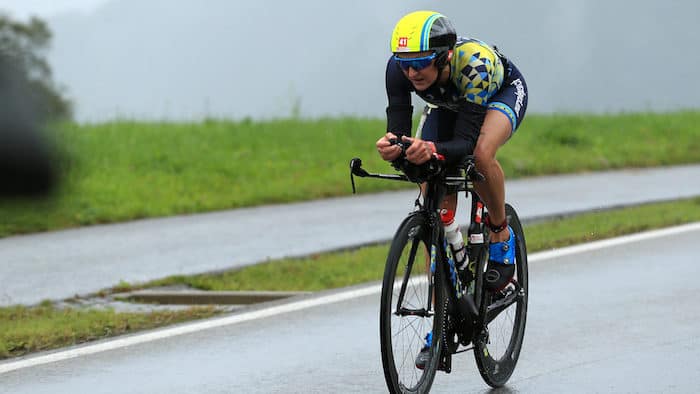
(416, 63)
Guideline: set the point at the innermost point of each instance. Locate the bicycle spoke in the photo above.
(409, 335)
(409, 324)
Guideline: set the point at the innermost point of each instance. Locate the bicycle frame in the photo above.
(469, 305)
(461, 316)
(441, 257)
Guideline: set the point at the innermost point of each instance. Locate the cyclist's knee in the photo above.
(494, 133)
(484, 155)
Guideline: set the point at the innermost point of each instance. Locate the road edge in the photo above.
(299, 303)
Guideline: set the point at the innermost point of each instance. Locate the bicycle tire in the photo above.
(402, 335)
(496, 366)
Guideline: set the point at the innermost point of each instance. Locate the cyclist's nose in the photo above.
(412, 72)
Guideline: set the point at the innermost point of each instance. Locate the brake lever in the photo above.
(356, 169)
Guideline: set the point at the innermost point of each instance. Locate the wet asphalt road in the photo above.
(619, 319)
(61, 264)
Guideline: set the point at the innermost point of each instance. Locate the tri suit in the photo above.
(480, 79)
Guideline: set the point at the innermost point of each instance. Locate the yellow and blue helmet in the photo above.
(423, 31)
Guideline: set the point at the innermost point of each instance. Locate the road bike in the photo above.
(423, 291)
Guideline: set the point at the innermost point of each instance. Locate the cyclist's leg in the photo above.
(506, 111)
(439, 121)
(436, 122)
(495, 131)
(440, 126)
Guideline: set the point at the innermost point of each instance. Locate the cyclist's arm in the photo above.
(399, 112)
(470, 117)
(475, 89)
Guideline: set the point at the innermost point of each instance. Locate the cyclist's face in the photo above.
(423, 78)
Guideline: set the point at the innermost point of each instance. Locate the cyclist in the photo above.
(476, 100)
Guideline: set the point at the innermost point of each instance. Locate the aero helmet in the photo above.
(424, 31)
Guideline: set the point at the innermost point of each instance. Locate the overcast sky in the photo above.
(188, 59)
(45, 8)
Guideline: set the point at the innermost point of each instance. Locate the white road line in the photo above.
(187, 328)
(302, 304)
(607, 243)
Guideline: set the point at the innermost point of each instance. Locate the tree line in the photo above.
(23, 50)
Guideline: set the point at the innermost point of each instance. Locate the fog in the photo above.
(187, 60)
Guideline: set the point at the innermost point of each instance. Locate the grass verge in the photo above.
(345, 268)
(129, 170)
(29, 329)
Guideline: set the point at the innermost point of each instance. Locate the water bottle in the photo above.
(456, 241)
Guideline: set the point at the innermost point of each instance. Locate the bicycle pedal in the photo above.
(511, 286)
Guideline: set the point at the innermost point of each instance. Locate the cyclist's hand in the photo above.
(420, 151)
(386, 150)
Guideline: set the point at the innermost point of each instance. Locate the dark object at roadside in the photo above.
(26, 162)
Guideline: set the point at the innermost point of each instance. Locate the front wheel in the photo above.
(497, 347)
(408, 309)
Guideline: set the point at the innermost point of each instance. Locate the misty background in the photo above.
(188, 60)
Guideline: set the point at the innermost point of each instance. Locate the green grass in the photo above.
(128, 170)
(345, 268)
(29, 329)
(574, 143)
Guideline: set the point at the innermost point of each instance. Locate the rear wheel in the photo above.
(408, 309)
(497, 348)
